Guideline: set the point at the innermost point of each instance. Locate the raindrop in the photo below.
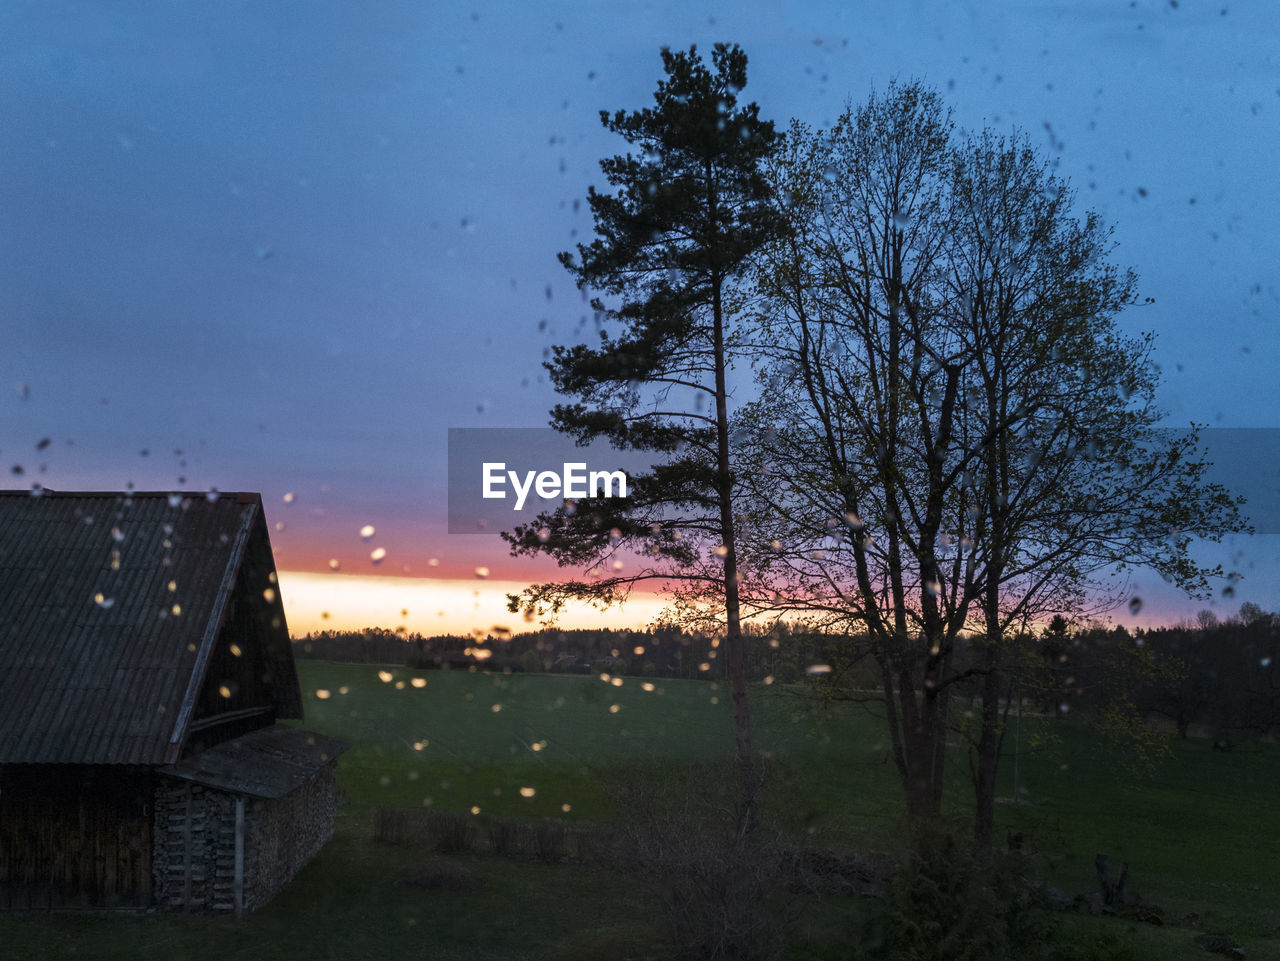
(104, 602)
(289, 498)
(367, 532)
(385, 677)
(334, 564)
(377, 555)
(901, 220)
(323, 694)
(269, 596)
(544, 535)
(212, 496)
(482, 572)
(1135, 605)
(816, 669)
(527, 792)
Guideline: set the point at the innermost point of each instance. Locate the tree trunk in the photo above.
(984, 787)
(735, 643)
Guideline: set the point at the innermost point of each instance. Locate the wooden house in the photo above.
(144, 665)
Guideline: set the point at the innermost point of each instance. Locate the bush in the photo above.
(451, 831)
(504, 837)
(724, 896)
(549, 840)
(946, 905)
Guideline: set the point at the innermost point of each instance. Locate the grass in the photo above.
(1199, 832)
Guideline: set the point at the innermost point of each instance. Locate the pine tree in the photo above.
(686, 211)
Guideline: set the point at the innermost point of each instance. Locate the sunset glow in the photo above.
(318, 602)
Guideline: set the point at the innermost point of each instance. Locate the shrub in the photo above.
(549, 840)
(945, 905)
(452, 831)
(504, 837)
(724, 896)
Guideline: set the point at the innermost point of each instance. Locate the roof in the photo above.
(269, 762)
(110, 608)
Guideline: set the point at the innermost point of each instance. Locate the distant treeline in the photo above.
(659, 652)
(1218, 678)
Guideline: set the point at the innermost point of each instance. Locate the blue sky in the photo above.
(298, 241)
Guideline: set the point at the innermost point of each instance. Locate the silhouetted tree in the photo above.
(684, 214)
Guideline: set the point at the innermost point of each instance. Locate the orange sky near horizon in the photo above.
(336, 601)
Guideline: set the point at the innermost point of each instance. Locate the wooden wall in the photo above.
(75, 837)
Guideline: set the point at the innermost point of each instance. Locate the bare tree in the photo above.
(960, 440)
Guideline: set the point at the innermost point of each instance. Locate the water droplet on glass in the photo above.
(816, 669)
(1135, 605)
(334, 564)
(482, 572)
(377, 555)
(104, 602)
(527, 792)
(367, 532)
(212, 496)
(322, 694)
(289, 498)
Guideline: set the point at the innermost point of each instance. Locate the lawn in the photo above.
(1199, 832)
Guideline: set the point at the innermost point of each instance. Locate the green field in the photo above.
(1200, 833)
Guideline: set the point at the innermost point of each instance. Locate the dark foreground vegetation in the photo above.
(636, 867)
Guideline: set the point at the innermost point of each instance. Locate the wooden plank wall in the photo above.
(74, 837)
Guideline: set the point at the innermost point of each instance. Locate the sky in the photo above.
(286, 246)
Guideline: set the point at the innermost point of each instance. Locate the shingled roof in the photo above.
(110, 609)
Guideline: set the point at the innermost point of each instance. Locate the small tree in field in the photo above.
(684, 214)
